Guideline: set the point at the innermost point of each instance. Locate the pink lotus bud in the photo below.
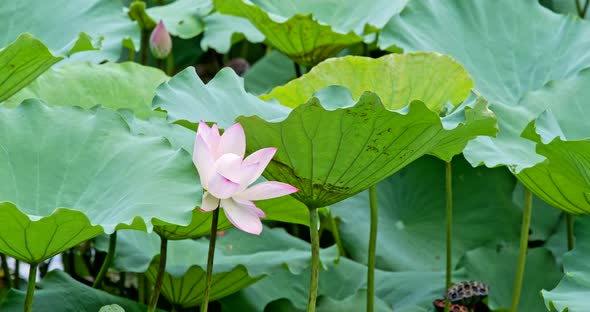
(160, 41)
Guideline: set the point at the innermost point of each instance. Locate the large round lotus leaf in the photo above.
(58, 292)
(563, 138)
(495, 266)
(412, 215)
(73, 174)
(186, 98)
(398, 79)
(343, 16)
(574, 289)
(182, 18)
(329, 157)
(240, 260)
(300, 36)
(64, 26)
(21, 62)
(112, 85)
(224, 30)
(404, 291)
(495, 46)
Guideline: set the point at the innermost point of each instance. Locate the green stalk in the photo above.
(144, 46)
(336, 235)
(569, 218)
(160, 277)
(170, 64)
(372, 248)
(315, 259)
(210, 256)
(107, 261)
(449, 197)
(31, 288)
(141, 288)
(6, 270)
(524, 240)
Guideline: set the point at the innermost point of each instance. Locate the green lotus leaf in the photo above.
(300, 36)
(412, 214)
(58, 292)
(572, 292)
(59, 24)
(112, 308)
(186, 98)
(329, 158)
(272, 70)
(111, 85)
(183, 18)
(225, 30)
(21, 62)
(240, 260)
(398, 79)
(494, 265)
(348, 15)
(354, 303)
(562, 6)
(74, 174)
(494, 45)
(404, 291)
(561, 137)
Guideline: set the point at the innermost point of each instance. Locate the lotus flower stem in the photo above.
(6, 270)
(144, 46)
(107, 261)
(524, 240)
(372, 248)
(160, 277)
(141, 288)
(210, 256)
(449, 197)
(31, 287)
(170, 64)
(569, 218)
(315, 259)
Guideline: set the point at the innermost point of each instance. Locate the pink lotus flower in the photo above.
(160, 41)
(226, 175)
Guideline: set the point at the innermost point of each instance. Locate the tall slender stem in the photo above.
(160, 277)
(6, 270)
(210, 256)
(524, 240)
(107, 261)
(582, 11)
(144, 46)
(170, 64)
(141, 288)
(315, 259)
(569, 218)
(31, 288)
(336, 234)
(372, 248)
(449, 251)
